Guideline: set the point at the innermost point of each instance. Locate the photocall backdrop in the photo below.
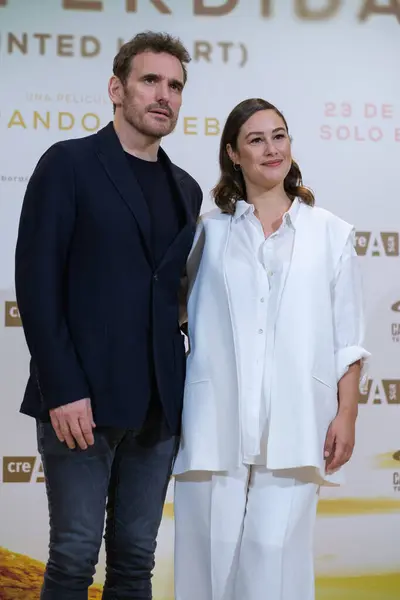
(332, 67)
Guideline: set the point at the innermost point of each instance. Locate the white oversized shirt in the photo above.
(269, 260)
(265, 358)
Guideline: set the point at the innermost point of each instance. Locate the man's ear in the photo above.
(115, 90)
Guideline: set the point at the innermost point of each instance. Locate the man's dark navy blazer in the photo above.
(93, 304)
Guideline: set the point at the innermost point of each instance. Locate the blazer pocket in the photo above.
(323, 380)
(196, 381)
(198, 407)
(325, 395)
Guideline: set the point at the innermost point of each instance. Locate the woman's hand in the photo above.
(340, 440)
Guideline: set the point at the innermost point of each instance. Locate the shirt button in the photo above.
(262, 300)
(270, 273)
(260, 331)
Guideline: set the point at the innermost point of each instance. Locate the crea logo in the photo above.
(22, 469)
(12, 316)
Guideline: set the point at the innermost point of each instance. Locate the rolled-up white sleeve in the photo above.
(348, 308)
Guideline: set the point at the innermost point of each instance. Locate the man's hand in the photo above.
(340, 439)
(74, 423)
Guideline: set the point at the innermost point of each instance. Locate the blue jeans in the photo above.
(124, 476)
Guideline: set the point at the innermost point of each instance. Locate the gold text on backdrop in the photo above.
(91, 122)
(12, 317)
(302, 9)
(66, 121)
(88, 46)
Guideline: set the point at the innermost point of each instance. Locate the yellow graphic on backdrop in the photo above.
(388, 460)
(21, 579)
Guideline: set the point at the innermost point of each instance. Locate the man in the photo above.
(106, 227)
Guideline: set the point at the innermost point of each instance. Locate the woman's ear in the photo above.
(232, 155)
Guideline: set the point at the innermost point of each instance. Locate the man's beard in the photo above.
(136, 120)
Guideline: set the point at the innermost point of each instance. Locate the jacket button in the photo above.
(155, 277)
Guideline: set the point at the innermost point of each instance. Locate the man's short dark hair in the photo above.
(149, 41)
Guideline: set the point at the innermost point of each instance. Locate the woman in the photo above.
(273, 373)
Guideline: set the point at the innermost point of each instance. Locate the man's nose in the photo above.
(163, 92)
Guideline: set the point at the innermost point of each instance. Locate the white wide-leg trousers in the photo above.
(245, 535)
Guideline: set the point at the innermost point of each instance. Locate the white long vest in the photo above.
(305, 366)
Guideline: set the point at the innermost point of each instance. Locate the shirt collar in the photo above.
(290, 216)
(243, 208)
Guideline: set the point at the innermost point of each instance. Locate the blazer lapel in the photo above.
(226, 225)
(111, 155)
(185, 233)
(296, 248)
(182, 199)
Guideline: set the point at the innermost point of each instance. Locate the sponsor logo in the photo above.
(395, 327)
(12, 316)
(383, 243)
(381, 391)
(22, 469)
